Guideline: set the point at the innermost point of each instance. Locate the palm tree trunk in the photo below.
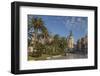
(36, 32)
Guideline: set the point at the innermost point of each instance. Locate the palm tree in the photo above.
(37, 24)
(55, 43)
(45, 33)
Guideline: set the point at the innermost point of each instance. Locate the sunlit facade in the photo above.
(70, 41)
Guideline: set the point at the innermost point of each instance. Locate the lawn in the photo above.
(43, 57)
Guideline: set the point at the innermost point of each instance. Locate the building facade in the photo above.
(82, 44)
(70, 41)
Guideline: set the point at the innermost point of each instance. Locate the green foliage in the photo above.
(56, 47)
(39, 49)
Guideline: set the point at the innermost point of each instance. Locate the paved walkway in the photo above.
(70, 56)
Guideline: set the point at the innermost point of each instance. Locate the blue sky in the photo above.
(62, 25)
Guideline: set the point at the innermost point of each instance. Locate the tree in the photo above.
(37, 24)
(56, 37)
(44, 31)
(39, 49)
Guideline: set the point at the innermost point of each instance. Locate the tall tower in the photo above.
(70, 41)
